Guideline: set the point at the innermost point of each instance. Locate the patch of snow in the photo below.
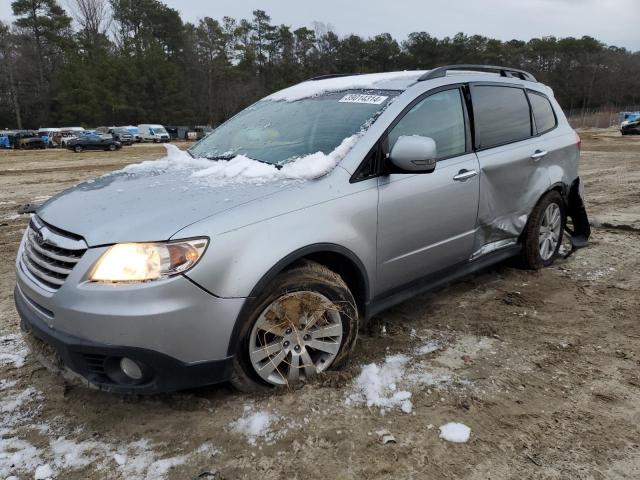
(388, 385)
(244, 170)
(13, 350)
(134, 461)
(159, 468)
(17, 455)
(14, 402)
(71, 454)
(429, 347)
(43, 472)
(254, 425)
(377, 385)
(455, 432)
(12, 216)
(6, 384)
(313, 88)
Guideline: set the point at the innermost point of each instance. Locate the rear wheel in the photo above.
(543, 234)
(305, 324)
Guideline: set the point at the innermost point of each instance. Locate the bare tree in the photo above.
(93, 16)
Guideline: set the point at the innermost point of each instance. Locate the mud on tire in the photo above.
(305, 276)
(531, 257)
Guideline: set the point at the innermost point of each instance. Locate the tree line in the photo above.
(114, 62)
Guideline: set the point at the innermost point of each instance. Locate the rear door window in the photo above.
(439, 116)
(543, 113)
(501, 115)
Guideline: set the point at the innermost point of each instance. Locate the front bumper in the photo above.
(177, 329)
(98, 365)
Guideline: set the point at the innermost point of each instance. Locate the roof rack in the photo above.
(333, 75)
(503, 71)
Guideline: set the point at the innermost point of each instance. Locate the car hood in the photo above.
(151, 205)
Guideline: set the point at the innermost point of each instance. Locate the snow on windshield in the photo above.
(241, 169)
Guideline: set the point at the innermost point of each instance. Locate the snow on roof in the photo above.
(373, 81)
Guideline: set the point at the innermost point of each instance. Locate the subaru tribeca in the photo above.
(256, 256)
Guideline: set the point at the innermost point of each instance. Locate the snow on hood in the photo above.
(155, 199)
(244, 170)
(371, 81)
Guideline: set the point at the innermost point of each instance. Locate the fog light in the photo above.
(130, 368)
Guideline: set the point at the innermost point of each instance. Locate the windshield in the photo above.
(279, 131)
(157, 129)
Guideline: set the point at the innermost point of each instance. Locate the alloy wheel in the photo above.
(550, 229)
(295, 337)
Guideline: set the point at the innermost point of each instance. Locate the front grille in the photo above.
(49, 254)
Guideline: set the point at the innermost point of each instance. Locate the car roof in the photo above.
(369, 81)
(400, 81)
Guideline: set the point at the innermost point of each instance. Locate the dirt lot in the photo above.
(542, 366)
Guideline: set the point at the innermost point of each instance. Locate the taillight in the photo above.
(578, 141)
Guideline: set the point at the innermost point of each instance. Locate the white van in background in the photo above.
(153, 133)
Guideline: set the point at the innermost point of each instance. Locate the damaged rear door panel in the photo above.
(511, 159)
(524, 149)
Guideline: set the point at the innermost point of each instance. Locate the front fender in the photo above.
(237, 260)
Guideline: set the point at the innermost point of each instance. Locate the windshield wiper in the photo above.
(219, 157)
(230, 157)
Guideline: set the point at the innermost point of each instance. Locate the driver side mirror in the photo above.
(414, 153)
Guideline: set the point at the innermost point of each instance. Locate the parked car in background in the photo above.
(5, 140)
(152, 281)
(68, 133)
(28, 140)
(202, 131)
(122, 135)
(153, 133)
(93, 142)
(63, 137)
(135, 132)
(631, 127)
(49, 136)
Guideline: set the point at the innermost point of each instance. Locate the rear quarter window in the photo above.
(543, 113)
(501, 115)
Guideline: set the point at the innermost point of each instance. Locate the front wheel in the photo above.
(112, 147)
(305, 324)
(77, 148)
(543, 233)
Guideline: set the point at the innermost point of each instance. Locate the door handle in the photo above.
(538, 154)
(464, 175)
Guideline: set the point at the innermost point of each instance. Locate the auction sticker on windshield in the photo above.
(362, 98)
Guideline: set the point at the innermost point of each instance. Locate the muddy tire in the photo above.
(112, 148)
(77, 148)
(543, 234)
(306, 323)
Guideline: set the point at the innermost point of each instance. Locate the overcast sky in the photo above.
(616, 22)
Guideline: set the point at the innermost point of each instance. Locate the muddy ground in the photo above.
(544, 367)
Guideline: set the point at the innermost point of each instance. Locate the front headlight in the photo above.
(140, 262)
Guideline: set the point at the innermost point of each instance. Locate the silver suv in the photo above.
(256, 257)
